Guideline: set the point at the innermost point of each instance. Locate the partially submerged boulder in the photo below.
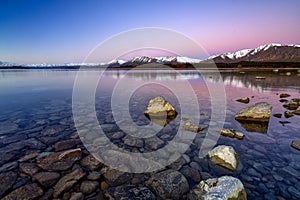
(291, 105)
(232, 133)
(295, 144)
(160, 111)
(277, 115)
(223, 188)
(288, 114)
(260, 112)
(224, 156)
(190, 125)
(284, 95)
(244, 100)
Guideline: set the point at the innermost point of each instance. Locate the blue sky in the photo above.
(52, 31)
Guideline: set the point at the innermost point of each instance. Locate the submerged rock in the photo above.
(232, 133)
(160, 111)
(77, 196)
(29, 191)
(129, 192)
(284, 95)
(67, 182)
(133, 141)
(90, 162)
(7, 180)
(115, 177)
(223, 188)
(28, 168)
(224, 156)
(60, 161)
(168, 184)
(68, 144)
(244, 100)
(295, 144)
(259, 112)
(46, 179)
(87, 187)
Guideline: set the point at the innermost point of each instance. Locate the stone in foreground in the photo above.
(295, 144)
(224, 156)
(168, 184)
(129, 192)
(223, 188)
(160, 111)
(259, 112)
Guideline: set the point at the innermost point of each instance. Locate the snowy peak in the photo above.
(161, 60)
(264, 53)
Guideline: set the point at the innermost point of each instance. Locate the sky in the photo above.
(60, 31)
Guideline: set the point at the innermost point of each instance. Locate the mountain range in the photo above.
(264, 53)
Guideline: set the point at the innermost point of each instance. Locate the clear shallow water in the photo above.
(34, 101)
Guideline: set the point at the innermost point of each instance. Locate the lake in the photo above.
(37, 111)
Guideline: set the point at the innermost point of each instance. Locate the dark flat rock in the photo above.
(46, 179)
(7, 180)
(129, 192)
(60, 161)
(29, 191)
(67, 182)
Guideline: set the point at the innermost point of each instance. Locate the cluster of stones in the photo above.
(291, 106)
(66, 170)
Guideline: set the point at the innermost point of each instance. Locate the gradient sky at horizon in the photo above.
(54, 31)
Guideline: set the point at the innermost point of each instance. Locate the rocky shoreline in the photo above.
(47, 160)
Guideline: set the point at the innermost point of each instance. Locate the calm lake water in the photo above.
(32, 101)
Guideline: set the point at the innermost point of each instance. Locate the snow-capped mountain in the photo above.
(7, 64)
(263, 53)
(160, 60)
